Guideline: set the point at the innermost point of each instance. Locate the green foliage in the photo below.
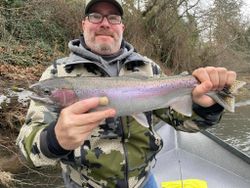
(47, 24)
(29, 54)
(11, 3)
(181, 36)
(168, 37)
(171, 32)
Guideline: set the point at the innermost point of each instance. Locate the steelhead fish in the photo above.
(130, 95)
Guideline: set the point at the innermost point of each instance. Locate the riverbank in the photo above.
(14, 80)
(14, 172)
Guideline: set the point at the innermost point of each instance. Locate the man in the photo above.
(96, 149)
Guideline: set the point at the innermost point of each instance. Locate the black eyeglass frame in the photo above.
(102, 17)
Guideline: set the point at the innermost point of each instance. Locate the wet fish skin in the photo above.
(129, 95)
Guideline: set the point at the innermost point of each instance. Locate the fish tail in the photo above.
(236, 86)
(226, 97)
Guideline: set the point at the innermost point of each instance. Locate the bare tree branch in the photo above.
(225, 47)
(182, 15)
(149, 8)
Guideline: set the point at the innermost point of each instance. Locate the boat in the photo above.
(199, 157)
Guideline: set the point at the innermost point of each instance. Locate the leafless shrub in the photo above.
(6, 179)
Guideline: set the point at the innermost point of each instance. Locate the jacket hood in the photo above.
(80, 53)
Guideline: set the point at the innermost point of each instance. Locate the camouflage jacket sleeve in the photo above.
(201, 118)
(32, 134)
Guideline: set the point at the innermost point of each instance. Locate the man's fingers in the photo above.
(219, 76)
(202, 89)
(231, 77)
(93, 117)
(88, 128)
(87, 104)
(222, 72)
(201, 74)
(214, 77)
(211, 79)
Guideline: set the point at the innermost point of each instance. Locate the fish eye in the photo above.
(46, 91)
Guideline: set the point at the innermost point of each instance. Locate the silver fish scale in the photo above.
(128, 95)
(125, 92)
(127, 82)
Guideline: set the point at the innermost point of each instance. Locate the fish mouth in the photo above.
(41, 99)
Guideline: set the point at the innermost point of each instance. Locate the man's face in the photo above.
(103, 38)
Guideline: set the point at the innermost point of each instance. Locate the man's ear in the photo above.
(123, 27)
(83, 25)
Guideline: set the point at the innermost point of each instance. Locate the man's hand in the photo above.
(75, 122)
(212, 79)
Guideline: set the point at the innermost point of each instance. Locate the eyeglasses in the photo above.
(96, 18)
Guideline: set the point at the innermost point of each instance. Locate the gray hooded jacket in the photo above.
(120, 151)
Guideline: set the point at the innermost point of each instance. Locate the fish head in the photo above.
(41, 93)
(61, 97)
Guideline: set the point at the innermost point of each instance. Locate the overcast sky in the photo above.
(246, 8)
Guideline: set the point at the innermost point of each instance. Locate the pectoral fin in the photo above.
(142, 119)
(183, 105)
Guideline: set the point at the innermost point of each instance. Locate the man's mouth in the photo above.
(108, 34)
(103, 35)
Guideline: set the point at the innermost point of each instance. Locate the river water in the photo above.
(234, 128)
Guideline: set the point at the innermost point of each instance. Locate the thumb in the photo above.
(202, 89)
(88, 104)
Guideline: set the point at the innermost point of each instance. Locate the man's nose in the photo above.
(105, 22)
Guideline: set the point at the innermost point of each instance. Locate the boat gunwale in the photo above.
(227, 146)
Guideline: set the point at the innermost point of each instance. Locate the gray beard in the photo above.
(104, 49)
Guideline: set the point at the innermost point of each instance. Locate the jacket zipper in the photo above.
(123, 136)
(125, 153)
